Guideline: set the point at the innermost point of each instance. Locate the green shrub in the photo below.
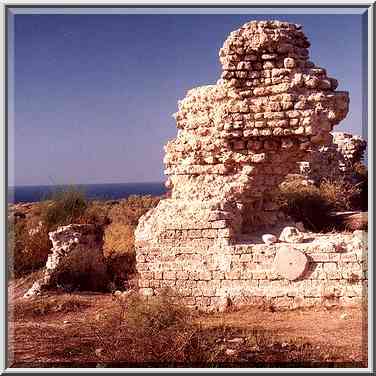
(64, 207)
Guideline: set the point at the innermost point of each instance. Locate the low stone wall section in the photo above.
(210, 274)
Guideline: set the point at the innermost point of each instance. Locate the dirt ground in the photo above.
(337, 337)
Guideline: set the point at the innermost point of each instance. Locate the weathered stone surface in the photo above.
(76, 260)
(236, 141)
(269, 239)
(290, 263)
(291, 235)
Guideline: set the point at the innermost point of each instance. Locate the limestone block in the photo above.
(291, 235)
(269, 239)
(146, 291)
(290, 263)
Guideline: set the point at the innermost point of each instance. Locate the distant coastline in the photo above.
(111, 191)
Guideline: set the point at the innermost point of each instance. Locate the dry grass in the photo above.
(118, 239)
(43, 306)
(28, 251)
(341, 195)
(118, 244)
(130, 210)
(313, 205)
(133, 332)
(64, 207)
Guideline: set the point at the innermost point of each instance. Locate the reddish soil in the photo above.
(65, 338)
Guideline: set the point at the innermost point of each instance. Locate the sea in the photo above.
(114, 191)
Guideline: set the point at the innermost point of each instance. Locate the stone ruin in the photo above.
(236, 141)
(336, 160)
(76, 260)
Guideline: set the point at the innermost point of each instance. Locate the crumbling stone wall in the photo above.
(236, 141)
(76, 260)
(336, 160)
(211, 277)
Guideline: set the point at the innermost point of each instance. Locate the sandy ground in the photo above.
(63, 339)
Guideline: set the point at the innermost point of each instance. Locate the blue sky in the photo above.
(94, 94)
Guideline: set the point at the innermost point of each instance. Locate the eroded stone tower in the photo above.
(238, 139)
(236, 142)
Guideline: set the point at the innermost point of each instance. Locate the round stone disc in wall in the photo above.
(290, 263)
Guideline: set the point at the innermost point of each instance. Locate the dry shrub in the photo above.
(43, 306)
(118, 239)
(64, 207)
(119, 236)
(340, 194)
(313, 205)
(157, 313)
(130, 210)
(96, 212)
(305, 204)
(27, 251)
(153, 331)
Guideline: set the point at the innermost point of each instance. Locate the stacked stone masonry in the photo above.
(208, 276)
(236, 142)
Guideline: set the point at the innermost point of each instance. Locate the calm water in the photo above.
(92, 191)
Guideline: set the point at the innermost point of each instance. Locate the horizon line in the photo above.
(77, 184)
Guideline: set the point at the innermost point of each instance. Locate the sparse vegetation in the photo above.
(155, 332)
(27, 250)
(340, 195)
(64, 207)
(118, 245)
(29, 244)
(313, 204)
(158, 332)
(118, 240)
(43, 306)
